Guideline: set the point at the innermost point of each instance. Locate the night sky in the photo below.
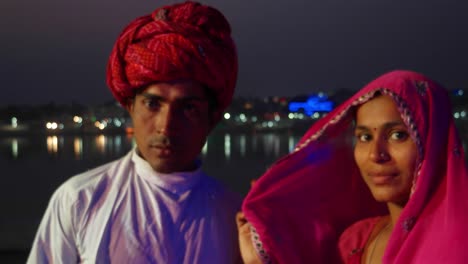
(56, 50)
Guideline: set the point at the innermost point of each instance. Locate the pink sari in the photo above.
(302, 204)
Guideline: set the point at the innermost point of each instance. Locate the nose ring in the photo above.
(382, 155)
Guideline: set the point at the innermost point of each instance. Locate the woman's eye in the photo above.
(399, 135)
(363, 137)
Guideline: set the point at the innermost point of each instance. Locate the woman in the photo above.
(381, 179)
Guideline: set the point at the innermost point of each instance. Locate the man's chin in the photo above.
(164, 166)
(170, 166)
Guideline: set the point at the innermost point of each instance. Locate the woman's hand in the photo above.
(248, 253)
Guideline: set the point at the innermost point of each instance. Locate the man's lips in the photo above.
(163, 150)
(161, 146)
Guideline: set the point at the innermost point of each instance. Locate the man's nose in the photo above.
(168, 121)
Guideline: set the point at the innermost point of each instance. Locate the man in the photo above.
(175, 72)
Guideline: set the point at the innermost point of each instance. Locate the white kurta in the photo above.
(125, 212)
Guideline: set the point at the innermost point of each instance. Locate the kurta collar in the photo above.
(177, 182)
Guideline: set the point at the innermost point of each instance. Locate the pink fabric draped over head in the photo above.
(181, 41)
(302, 204)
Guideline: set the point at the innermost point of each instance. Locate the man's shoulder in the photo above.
(90, 180)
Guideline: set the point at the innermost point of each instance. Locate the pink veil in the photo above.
(302, 204)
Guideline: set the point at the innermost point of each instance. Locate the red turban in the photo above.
(181, 41)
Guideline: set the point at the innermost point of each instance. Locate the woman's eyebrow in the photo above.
(393, 124)
(386, 125)
(361, 127)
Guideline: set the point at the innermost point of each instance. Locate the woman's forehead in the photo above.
(378, 111)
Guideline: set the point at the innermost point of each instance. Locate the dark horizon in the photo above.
(57, 51)
(342, 94)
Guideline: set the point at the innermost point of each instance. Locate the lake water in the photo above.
(34, 166)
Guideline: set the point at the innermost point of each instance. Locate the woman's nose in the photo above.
(379, 152)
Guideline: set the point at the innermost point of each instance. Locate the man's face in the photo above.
(171, 122)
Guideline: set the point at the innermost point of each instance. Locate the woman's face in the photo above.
(384, 151)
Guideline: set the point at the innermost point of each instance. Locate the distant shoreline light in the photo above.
(314, 104)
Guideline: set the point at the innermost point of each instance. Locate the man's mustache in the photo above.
(160, 141)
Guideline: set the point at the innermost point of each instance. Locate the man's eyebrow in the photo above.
(152, 96)
(193, 98)
(183, 98)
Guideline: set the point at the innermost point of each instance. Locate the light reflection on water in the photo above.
(291, 144)
(78, 147)
(57, 146)
(14, 148)
(52, 144)
(117, 145)
(204, 149)
(33, 167)
(223, 149)
(271, 145)
(103, 145)
(227, 146)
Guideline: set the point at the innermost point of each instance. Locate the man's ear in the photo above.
(129, 105)
(215, 117)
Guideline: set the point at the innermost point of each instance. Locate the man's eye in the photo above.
(192, 108)
(195, 108)
(152, 104)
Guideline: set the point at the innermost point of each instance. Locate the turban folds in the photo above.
(181, 41)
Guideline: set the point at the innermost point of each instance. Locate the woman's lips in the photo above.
(382, 178)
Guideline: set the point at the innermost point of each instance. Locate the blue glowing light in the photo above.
(313, 105)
